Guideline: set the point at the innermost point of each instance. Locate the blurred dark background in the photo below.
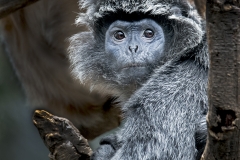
(19, 139)
(35, 40)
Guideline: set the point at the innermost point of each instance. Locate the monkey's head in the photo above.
(128, 39)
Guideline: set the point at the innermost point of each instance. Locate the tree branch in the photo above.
(61, 137)
(9, 6)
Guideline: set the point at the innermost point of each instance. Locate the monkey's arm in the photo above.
(161, 118)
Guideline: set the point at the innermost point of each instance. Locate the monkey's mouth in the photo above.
(132, 65)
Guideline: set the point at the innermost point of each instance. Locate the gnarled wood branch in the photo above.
(61, 137)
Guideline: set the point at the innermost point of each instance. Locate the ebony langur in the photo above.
(36, 40)
(152, 54)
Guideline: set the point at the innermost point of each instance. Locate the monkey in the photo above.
(152, 55)
(36, 41)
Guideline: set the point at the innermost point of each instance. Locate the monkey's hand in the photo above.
(61, 137)
(108, 147)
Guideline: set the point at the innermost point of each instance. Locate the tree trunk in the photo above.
(223, 31)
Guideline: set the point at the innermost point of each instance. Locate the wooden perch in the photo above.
(9, 6)
(61, 137)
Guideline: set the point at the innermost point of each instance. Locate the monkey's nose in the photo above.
(133, 49)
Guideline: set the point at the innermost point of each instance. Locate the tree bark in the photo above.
(9, 6)
(61, 137)
(223, 32)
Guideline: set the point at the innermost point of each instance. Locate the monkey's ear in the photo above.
(190, 27)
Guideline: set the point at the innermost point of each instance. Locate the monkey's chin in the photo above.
(133, 75)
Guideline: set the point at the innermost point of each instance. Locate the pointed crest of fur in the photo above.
(98, 9)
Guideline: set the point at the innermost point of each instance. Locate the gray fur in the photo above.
(164, 115)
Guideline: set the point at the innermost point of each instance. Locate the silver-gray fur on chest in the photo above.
(165, 119)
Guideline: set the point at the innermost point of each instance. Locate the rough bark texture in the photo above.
(60, 136)
(9, 6)
(223, 31)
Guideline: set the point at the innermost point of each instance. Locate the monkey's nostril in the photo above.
(130, 49)
(133, 49)
(136, 49)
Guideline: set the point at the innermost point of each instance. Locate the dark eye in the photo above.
(119, 35)
(148, 33)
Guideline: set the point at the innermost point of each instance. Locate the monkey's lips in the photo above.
(133, 65)
(134, 72)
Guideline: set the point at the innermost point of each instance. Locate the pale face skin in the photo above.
(134, 48)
